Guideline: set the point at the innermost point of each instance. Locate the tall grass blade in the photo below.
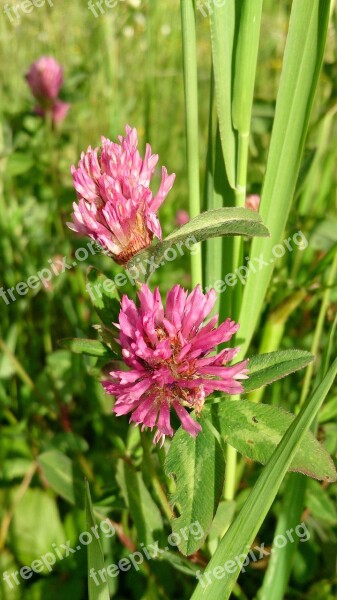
(301, 68)
(192, 128)
(242, 532)
(222, 22)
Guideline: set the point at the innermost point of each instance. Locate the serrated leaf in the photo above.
(198, 467)
(266, 368)
(103, 295)
(86, 346)
(210, 224)
(255, 430)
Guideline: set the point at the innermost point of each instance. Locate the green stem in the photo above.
(240, 195)
(242, 162)
(154, 478)
(230, 480)
(318, 330)
(192, 129)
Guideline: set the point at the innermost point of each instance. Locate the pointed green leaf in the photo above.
(85, 346)
(213, 223)
(266, 368)
(197, 465)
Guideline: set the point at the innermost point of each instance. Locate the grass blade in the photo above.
(95, 555)
(192, 127)
(242, 532)
(222, 22)
(302, 63)
(246, 50)
(279, 567)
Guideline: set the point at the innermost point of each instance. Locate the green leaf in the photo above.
(197, 465)
(213, 223)
(266, 368)
(255, 430)
(86, 346)
(240, 536)
(95, 554)
(19, 163)
(143, 509)
(58, 470)
(103, 295)
(36, 525)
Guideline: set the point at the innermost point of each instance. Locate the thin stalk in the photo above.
(243, 93)
(318, 330)
(230, 479)
(242, 162)
(274, 330)
(192, 130)
(155, 479)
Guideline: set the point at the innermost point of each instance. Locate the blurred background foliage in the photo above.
(126, 67)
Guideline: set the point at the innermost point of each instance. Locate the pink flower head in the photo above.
(171, 360)
(253, 202)
(45, 78)
(116, 205)
(182, 217)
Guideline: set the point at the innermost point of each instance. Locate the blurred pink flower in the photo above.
(116, 205)
(253, 202)
(45, 78)
(168, 353)
(58, 110)
(182, 217)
